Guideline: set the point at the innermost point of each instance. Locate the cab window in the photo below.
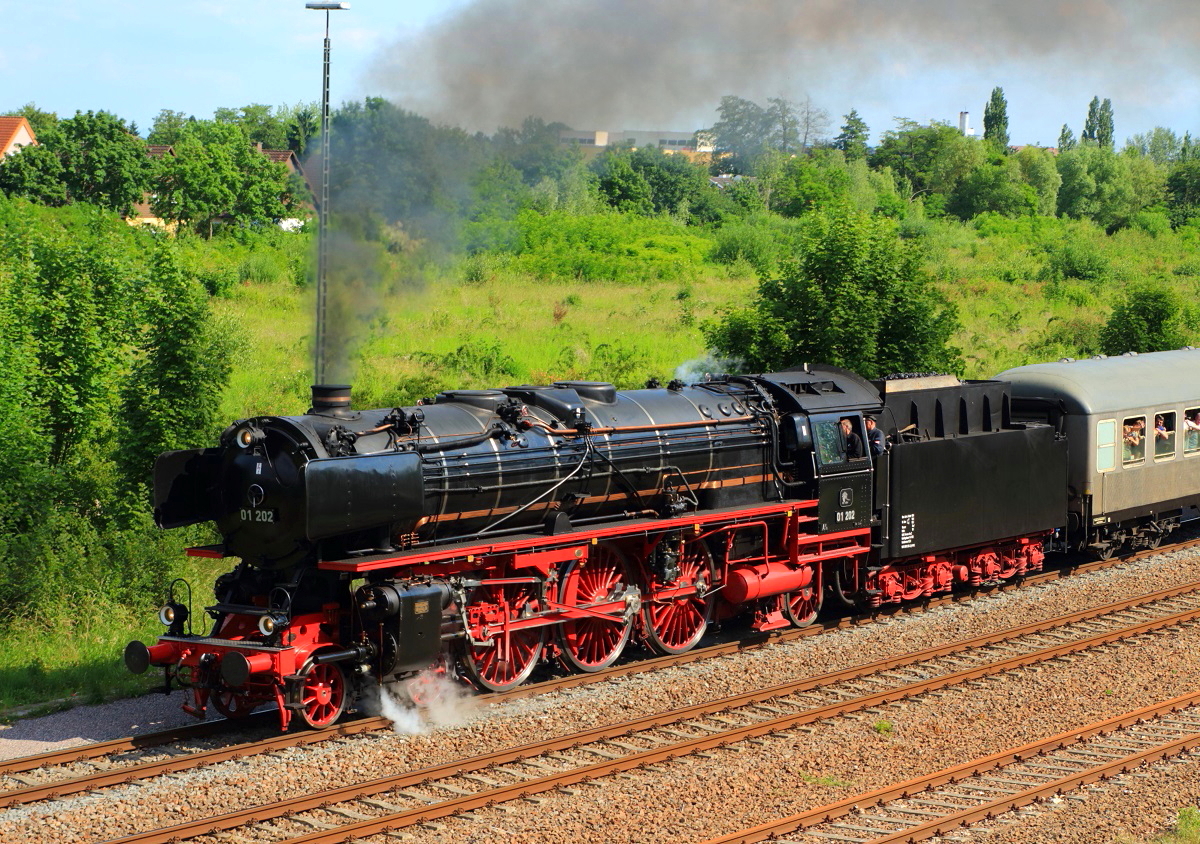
(839, 439)
(1133, 440)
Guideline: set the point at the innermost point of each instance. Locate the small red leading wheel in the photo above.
(803, 605)
(233, 704)
(322, 694)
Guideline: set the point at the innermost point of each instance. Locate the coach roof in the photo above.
(1103, 385)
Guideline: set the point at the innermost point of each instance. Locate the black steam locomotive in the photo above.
(486, 531)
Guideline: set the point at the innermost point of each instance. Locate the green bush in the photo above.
(1078, 259)
(607, 246)
(752, 244)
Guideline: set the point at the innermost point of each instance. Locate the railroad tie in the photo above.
(416, 795)
(940, 803)
(919, 812)
(453, 789)
(381, 805)
(348, 814)
(835, 837)
(320, 826)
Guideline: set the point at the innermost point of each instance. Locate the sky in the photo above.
(618, 64)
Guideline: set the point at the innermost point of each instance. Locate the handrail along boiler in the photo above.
(486, 531)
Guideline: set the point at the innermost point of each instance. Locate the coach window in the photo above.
(1106, 445)
(1191, 431)
(1164, 435)
(1133, 440)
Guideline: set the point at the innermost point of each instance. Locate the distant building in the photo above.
(143, 214)
(15, 132)
(594, 141)
(964, 124)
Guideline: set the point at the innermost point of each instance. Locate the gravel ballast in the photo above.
(699, 797)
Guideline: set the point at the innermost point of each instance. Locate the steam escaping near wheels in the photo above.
(421, 704)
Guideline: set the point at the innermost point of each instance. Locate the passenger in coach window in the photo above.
(1192, 425)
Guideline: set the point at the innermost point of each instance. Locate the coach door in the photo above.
(843, 471)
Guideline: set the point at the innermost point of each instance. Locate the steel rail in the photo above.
(961, 774)
(754, 641)
(187, 761)
(634, 760)
(130, 773)
(94, 750)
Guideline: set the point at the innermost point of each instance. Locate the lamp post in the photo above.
(323, 211)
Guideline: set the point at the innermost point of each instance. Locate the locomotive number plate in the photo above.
(258, 514)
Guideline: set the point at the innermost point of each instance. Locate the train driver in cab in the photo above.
(854, 445)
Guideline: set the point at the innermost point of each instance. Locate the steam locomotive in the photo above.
(484, 532)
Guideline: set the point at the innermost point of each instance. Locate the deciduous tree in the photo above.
(91, 157)
(853, 138)
(173, 394)
(1066, 139)
(855, 295)
(995, 119)
(1147, 319)
(216, 173)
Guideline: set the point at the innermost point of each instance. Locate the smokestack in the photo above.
(330, 400)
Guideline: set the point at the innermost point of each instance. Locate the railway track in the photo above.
(948, 800)
(132, 747)
(417, 797)
(137, 758)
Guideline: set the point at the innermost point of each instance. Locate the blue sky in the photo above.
(135, 58)
(618, 64)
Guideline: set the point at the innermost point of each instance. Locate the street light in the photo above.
(323, 211)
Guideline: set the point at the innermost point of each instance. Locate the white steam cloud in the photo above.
(421, 704)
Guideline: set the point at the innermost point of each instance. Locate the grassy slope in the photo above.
(507, 328)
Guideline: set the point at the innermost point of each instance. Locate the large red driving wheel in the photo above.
(322, 694)
(505, 658)
(673, 625)
(590, 644)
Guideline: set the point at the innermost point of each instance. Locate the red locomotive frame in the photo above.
(658, 580)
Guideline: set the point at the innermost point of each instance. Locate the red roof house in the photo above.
(15, 132)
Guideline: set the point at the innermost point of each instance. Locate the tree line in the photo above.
(213, 170)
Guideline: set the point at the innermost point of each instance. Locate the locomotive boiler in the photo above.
(487, 532)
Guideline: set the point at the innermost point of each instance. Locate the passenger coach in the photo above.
(1134, 466)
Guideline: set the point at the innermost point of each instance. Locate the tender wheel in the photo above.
(233, 704)
(673, 623)
(507, 657)
(802, 606)
(591, 644)
(323, 694)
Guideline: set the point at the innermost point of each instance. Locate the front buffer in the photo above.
(254, 661)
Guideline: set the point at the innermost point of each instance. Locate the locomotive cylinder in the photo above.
(748, 583)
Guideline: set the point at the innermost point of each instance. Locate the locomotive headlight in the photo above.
(269, 624)
(245, 438)
(172, 614)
